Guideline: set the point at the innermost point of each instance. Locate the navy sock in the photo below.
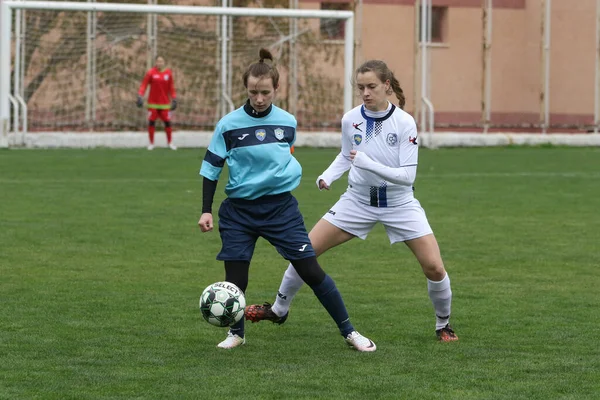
(238, 328)
(330, 297)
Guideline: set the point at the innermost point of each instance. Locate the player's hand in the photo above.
(173, 104)
(206, 222)
(139, 102)
(353, 154)
(323, 185)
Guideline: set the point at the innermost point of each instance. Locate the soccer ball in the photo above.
(222, 304)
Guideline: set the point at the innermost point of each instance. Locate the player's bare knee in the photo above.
(434, 270)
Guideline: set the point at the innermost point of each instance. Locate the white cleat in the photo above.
(150, 147)
(359, 342)
(231, 341)
(172, 146)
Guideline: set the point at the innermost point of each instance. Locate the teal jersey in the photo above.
(256, 147)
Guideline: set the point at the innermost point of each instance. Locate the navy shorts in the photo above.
(276, 218)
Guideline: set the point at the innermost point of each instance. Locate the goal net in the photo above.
(78, 66)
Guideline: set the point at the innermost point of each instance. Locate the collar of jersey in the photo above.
(386, 116)
(255, 114)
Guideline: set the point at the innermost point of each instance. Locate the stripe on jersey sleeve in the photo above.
(210, 171)
(212, 165)
(214, 159)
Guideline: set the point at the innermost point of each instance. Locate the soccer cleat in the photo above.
(172, 146)
(150, 147)
(257, 312)
(232, 341)
(446, 334)
(359, 342)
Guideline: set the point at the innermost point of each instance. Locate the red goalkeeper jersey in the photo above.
(162, 88)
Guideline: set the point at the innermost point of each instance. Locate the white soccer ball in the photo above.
(222, 304)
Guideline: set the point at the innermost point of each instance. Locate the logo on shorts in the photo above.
(303, 247)
(260, 134)
(392, 139)
(331, 212)
(357, 139)
(279, 133)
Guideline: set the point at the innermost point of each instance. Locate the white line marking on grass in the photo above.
(93, 181)
(543, 174)
(426, 175)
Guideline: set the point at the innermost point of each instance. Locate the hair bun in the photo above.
(265, 54)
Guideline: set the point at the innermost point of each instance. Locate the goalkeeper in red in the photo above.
(161, 100)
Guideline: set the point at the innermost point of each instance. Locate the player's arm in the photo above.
(142, 90)
(209, 188)
(212, 165)
(294, 126)
(408, 153)
(339, 166)
(400, 176)
(172, 92)
(145, 83)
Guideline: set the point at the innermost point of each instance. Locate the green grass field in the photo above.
(102, 266)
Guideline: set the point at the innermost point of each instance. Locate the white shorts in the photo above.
(401, 223)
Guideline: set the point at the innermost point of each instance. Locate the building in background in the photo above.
(387, 31)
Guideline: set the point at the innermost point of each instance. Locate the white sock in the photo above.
(290, 284)
(441, 297)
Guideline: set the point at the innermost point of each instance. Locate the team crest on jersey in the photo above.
(279, 133)
(166, 77)
(260, 134)
(392, 139)
(357, 139)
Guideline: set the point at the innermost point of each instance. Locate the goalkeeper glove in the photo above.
(140, 101)
(173, 104)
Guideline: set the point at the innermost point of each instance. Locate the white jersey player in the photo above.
(380, 148)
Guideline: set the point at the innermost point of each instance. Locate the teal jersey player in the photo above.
(256, 147)
(256, 142)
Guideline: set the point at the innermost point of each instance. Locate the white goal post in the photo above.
(10, 96)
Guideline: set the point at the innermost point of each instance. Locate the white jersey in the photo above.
(390, 140)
